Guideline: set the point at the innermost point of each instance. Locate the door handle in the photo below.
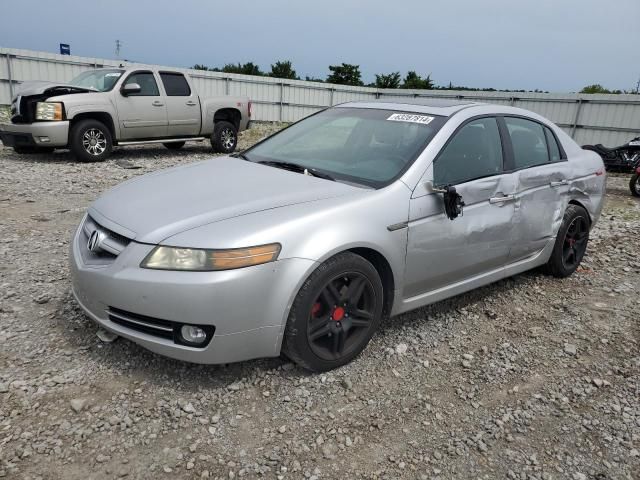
(502, 199)
(559, 183)
(157, 103)
(191, 103)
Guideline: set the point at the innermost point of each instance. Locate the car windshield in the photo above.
(98, 80)
(360, 145)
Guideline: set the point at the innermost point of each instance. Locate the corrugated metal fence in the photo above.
(606, 119)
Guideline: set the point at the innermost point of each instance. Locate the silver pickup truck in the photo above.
(121, 106)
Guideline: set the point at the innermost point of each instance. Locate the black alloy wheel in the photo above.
(575, 242)
(571, 242)
(341, 316)
(335, 313)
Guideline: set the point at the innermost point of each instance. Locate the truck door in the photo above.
(141, 114)
(183, 105)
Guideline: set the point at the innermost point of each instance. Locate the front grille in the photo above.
(110, 246)
(155, 326)
(142, 323)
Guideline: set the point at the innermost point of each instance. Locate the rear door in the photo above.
(541, 169)
(183, 105)
(442, 252)
(142, 115)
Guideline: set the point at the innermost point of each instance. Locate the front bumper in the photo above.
(248, 307)
(38, 134)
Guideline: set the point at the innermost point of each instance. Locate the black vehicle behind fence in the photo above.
(624, 158)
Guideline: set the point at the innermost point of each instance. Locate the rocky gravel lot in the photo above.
(529, 378)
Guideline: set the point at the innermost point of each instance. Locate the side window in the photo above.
(175, 84)
(475, 151)
(529, 142)
(554, 150)
(147, 82)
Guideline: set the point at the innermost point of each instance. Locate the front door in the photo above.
(442, 252)
(142, 115)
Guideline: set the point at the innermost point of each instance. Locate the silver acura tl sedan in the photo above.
(306, 242)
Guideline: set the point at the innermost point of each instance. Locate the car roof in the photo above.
(433, 106)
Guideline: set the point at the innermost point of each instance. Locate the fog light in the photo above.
(193, 334)
(45, 139)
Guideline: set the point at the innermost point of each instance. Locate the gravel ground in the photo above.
(529, 378)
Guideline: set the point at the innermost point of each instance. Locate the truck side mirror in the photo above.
(130, 88)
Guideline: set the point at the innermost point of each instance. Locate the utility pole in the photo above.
(118, 45)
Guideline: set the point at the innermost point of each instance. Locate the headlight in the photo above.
(200, 260)
(48, 111)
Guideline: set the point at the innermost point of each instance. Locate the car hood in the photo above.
(39, 87)
(153, 207)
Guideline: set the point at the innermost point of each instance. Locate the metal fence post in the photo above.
(575, 119)
(227, 80)
(10, 77)
(281, 100)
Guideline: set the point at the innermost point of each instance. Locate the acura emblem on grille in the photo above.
(95, 241)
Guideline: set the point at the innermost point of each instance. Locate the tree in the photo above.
(345, 74)
(597, 88)
(248, 68)
(391, 80)
(283, 69)
(416, 82)
(198, 66)
(313, 79)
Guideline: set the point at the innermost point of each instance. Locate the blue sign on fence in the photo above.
(65, 49)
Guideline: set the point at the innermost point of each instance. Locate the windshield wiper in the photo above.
(294, 167)
(241, 155)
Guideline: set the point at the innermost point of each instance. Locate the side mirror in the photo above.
(453, 202)
(129, 89)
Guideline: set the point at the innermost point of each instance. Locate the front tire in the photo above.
(634, 185)
(571, 242)
(174, 145)
(335, 314)
(90, 141)
(224, 138)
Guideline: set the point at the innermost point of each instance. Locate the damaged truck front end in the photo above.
(37, 124)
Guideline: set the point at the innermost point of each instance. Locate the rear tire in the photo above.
(174, 145)
(634, 185)
(571, 242)
(224, 138)
(335, 314)
(90, 141)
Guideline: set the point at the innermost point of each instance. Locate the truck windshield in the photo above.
(98, 80)
(359, 145)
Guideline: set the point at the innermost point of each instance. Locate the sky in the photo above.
(553, 45)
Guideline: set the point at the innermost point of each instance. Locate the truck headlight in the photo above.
(49, 111)
(201, 260)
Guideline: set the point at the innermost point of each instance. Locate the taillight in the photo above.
(249, 108)
(638, 170)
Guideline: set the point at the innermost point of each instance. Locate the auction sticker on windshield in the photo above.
(407, 117)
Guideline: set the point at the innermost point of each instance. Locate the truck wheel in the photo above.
(90, 141)
(224, 138)
(634, 185)
(174, 145)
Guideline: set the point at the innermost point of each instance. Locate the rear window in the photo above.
(175, 84)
